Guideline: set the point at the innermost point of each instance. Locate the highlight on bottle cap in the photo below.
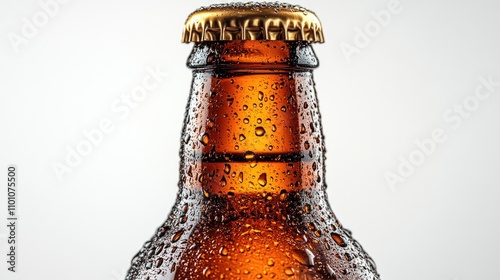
(252, 21)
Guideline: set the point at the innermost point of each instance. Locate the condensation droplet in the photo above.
(227, 168)
(260, 131)
(223, 181)
(207, 271)
(338, 239)
(159, 249)
(204, 139)
(289, 271)
(210, 124)
(177, 236)
(262, 179)
(159, 262)
(304, 257)
(249, 156)
(307, 208)
(331, 272)
(302, 129)
(283, 195)
(307, 145)
(242, 137)
(223, 251)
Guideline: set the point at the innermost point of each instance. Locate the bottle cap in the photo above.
(252, 21)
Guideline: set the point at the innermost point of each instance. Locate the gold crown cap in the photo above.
(252, 21)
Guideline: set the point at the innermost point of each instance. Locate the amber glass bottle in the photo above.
(251, 202)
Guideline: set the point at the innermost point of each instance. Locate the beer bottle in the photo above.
(252, 200)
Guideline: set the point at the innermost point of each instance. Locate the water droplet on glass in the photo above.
(307, 145)
(207, 271)
(261, 95)
(331, 272)
(289, 271)
(302, 129)
(204, 139)
(159, 262)
(223, 251)
(172, 269)
(304, 257)
(223, 182)
(227, 168)
(159, 249)
(262, 179)
(260, 131)
(307, 208)
(177, 236)
(338, 239)
(249, 156)
(210, 124)
(311, 226)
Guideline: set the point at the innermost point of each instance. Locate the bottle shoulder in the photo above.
(252, 237)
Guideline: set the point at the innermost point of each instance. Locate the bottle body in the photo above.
(251, 202)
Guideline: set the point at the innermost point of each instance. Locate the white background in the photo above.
(441, 223)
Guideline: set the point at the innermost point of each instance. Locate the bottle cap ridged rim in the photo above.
(252, 21)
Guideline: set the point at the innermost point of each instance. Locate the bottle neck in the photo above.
(252, 123)
(253, 55)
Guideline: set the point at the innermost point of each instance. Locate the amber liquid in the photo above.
(252, 201)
